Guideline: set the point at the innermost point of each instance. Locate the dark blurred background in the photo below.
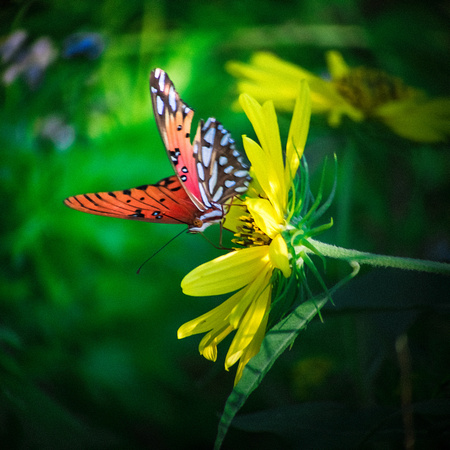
(89, 356)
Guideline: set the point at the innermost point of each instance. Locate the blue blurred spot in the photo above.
(88, 45)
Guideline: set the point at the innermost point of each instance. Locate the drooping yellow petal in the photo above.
(212, 319)
(298, 132)
(253, 348)
(250, 324)
(225, 274)
(265, 216)
(208, 344)
(279, 255)
(336, 65)
(417, 119)
(253, 291)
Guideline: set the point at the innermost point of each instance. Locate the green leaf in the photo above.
(276, 341)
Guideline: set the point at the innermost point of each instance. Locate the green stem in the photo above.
(376, 260)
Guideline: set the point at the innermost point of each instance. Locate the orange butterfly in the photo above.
(208, 171)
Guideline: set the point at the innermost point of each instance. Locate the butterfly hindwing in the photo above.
(222, 173)
(165, 202)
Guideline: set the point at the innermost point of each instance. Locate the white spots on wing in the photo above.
(236, 154)
(208, 123)
(162, 81)
(209, 136)
(159, 105)
(153, 90)
(195, 147)
(218, 194)
(213, 180)
(240, 173)
(242, 163)
(229, 183)
(204, 196)
(228, 169)
(225, 140)
(200, 171)
(157, 73)
(172, 99)
(223, 160)
(241, 189)
(206, 155)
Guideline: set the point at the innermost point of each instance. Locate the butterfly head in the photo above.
(213, 215)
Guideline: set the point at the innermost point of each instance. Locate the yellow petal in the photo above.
(298, 132)
(336, 65)
(227, 273)
(254, 189)
(210, 352)
(212, 319)
(252, 349)
(236, 210)
(266, 159)
(269, 77)
(263, 120)
(250, 324)
(265, 216)
(208, 345)
(287, 71)
(418, 120)
(279, 255)
(252, 291)
(265, 174)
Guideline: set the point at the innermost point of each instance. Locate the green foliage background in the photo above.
(88, 351)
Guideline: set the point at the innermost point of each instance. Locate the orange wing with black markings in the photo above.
(164, 202)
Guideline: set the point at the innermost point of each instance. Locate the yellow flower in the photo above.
(259, 223)
(360, 93)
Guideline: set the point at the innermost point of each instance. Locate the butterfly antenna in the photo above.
(157, 251)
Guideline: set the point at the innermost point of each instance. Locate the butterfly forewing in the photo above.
(221, 170)
(174, 118)
(165, 202)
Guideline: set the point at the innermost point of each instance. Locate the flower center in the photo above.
(367, 89)
(249, 234)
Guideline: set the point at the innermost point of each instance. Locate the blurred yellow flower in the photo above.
(258, 222)
(358, 92)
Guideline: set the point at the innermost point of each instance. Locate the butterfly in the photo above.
(208, 172)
